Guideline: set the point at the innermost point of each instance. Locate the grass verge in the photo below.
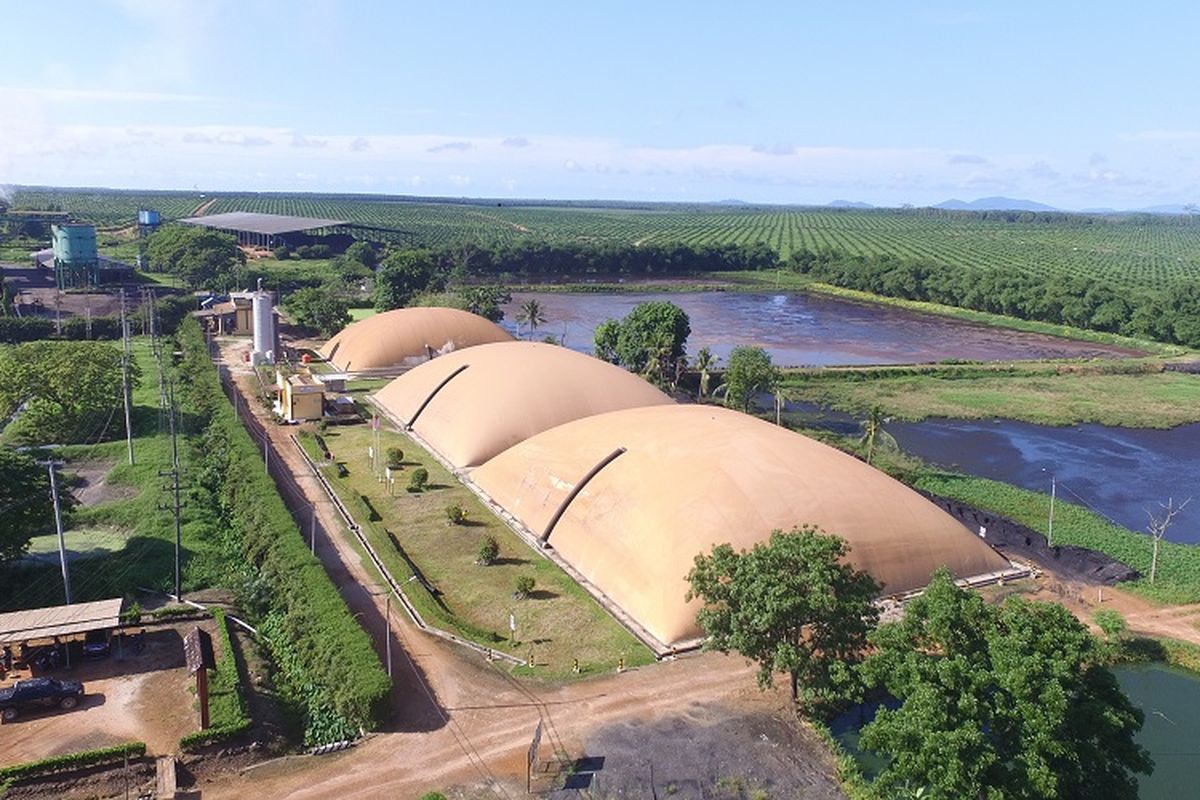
(560, 621)
(1136, 394)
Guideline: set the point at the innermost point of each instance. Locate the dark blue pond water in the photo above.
(1169, 698)
(1118, 472)
(799, 329)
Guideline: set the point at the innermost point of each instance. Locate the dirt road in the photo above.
(460, 722)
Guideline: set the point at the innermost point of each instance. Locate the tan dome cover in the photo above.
(485, 399)
(696, 476)
(406, 337)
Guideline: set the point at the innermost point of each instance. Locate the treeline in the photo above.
(327, 668)
(539, 258)
(1172, 316)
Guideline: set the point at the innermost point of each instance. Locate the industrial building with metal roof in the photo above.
(397, 340)
(261, 229)
(628, 499)
(471, 405)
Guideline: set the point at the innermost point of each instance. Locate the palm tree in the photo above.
(873, 432)
(531, 314)
(705, 361)
(782, 397)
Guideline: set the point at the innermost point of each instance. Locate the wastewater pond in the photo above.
(805, 330)
(1121, 473)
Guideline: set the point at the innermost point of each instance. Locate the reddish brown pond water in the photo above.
(800, 329)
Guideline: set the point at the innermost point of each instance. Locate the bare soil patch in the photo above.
(130, 696)
(90, 486)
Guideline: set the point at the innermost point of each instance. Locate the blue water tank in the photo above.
(148, 217)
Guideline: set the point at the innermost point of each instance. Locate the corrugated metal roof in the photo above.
(270, 224)
(42, 623)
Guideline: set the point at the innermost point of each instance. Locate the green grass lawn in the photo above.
(129, 541)
(1031, 394)
(362, 313)
(561, 622)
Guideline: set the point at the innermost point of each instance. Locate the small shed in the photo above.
(23, 633)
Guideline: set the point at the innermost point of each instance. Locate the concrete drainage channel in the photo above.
(393, 584)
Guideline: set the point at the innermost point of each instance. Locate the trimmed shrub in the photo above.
(524, 587)
(419, 480)
(489, 551)
(88, 758)
(456, 514)
(395, 457)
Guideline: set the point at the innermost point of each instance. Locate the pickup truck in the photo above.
(38, 693)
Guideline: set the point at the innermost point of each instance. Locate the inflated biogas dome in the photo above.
(403, 338)
(629, 499)
(472, 404)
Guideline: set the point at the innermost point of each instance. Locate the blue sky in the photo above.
(1073, 104)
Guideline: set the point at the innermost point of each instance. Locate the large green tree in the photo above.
(319, 308)
(405, 274)
(793, 605)
(650, 340)
(25, 506)
(750, 373)
(202, 258)
(999, 703)
(486, 301)
(66, 390)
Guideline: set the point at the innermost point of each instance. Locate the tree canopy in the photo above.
(791, 604)
(750, 372)
(25, 506)
(650, 340)
(999, 702)
(319, 308)
(65, 387)
(405, 274)
(202, 258)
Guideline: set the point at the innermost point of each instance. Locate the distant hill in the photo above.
(995, 204)
(733, 201)
(848, 204)
(1098, 211)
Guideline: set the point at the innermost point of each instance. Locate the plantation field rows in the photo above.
(1134, 251)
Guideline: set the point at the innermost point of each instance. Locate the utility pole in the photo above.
(176, 507)
(387, 616)
(1053, 496)
(58, 527)
(125, 376)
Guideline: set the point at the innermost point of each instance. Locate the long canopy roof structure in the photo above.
(44, 623)
(630, 498)
(267, 224)
(475, 403)
(403, 338)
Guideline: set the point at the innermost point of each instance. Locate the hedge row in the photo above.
(227, 706)
(330, 663)
(88, 758)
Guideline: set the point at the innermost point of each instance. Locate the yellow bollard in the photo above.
(620, 665)
(530, 661)
(575, 666)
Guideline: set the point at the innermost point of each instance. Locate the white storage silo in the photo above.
(263, 310)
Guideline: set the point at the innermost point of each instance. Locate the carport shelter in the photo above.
(24, 632)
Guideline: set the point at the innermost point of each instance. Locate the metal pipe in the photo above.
(611, 457)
